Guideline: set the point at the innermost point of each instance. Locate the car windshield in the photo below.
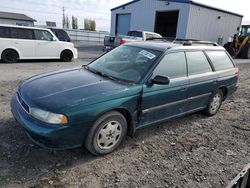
(125, 63)
(245, 31)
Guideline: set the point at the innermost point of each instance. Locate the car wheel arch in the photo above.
(18, 53)
(224, 91)
(66, 49)
(128, 116)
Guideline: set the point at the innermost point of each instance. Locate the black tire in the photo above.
(9, 56)
(66, 56)
(100, 131)
(246, 52)
(228, 46)
(213, 106)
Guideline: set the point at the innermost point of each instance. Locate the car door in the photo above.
(22, 39)
(46, 45)
(203, 80)
(160, 102)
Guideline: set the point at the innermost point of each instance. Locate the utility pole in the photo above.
(63, 19)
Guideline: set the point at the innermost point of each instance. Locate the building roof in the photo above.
(185, 1)
(15, 16)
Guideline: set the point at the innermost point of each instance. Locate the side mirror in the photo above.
(160, 80)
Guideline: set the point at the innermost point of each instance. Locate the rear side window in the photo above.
(20, 33)
(197, 63)
(173, 65)
(220, 60)
(149, 35)
(4, 32)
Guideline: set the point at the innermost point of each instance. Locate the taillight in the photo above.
(237, 72)
(122, 41)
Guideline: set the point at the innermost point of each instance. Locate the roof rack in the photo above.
(185, 42)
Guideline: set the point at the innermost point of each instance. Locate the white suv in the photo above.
(18, 42)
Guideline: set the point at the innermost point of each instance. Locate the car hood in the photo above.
(58, 90)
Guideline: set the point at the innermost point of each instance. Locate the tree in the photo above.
(64, 21)
(74, 22)
(89, 24)
(86, 24)
(67, 24)
(92, 25)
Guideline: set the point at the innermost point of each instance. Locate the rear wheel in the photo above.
(107, 133)
(9, 56)
(246, 52)
(66, 56)
(214, 103)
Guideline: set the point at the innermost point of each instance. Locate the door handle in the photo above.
(184, 88)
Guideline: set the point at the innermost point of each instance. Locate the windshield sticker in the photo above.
(147, 54)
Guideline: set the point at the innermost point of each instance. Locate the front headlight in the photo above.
(48, 117)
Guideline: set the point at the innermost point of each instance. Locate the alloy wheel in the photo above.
(109, 135)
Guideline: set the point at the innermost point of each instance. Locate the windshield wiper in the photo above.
(106, 75)
(100, 73)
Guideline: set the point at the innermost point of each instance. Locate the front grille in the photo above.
(23, 104)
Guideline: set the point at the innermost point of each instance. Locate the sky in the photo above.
(99, 10)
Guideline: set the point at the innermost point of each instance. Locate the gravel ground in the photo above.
(192, 151)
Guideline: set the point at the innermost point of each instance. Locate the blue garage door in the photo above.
(123, 23)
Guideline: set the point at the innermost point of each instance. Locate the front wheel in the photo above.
(246, 52)
(229, 47)
(214, 103)
(66, 56)
(107, 133)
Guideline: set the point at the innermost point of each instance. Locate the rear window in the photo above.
(220, 60)
(197, 63)
(19, 33)
(135, 34)
(4, 32)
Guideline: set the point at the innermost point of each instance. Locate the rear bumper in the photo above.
(46, 135)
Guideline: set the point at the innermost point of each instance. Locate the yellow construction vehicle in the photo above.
(240, 46)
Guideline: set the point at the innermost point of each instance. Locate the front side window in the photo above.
(4, 32)
(43, 35)
(197, 63)
(220, 60)
(173, 65)
(127, 63)
(20, 33)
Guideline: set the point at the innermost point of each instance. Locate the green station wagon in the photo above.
(133, 86)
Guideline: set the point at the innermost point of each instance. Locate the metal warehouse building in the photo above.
(184, 19)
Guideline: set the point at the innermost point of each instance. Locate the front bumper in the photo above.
(46, 135)
(75, 53)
